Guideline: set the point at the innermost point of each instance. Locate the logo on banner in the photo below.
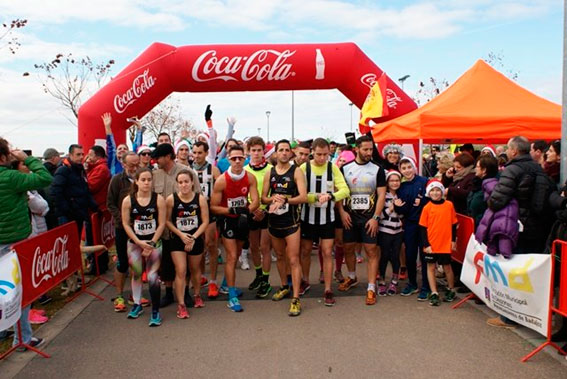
(392, 99)
(107, 232)
(47, 265)
(517, 278)
(140, 85)
(260, 65)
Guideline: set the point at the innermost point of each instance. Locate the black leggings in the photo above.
(390, 245)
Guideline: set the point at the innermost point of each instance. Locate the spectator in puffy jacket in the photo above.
(486, 168)
(71, 191)
(458, 181)
(98, 175)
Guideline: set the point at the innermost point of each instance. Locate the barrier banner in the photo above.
(103, 229)
(10, 290)
(47, 259)
(517, 288)
(465, 229)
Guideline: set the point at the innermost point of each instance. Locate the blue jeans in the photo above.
(24, 318)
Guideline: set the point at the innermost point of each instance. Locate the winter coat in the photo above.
(98, 178)
(14, 214)
(38, 208)
(476, 205)
(70, 192)
(119, 188)
(458, 191)
(408, 192)
(523, 179)
(498, 229)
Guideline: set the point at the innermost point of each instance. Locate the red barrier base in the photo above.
(83, 290)
(464, 300)
(541, 347)
(98, 275)
(22, 344)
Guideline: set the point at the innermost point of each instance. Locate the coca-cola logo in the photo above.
(107, 230)
(140, 85)
(392, 99)
(260, 65)
(49, 264)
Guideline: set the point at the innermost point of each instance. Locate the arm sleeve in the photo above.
(98, 179)
(111, 152)
(212, 142)
(504, 189)
(38, 205)
(137, 140)
(342, 189)
(423, 236)
(229, 135)
(39, 177)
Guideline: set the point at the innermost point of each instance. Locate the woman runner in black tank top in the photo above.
(187, 219)
(143, 219)
(286, 216)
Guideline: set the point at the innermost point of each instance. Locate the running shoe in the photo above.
(339, 278)
(243, 259)
(213, 291)
(423, 295)
(329, 298)
(359, 258)
(392, 289)
(43, 313)
(44, 299)
(434, 299)
(204, 282)
(382, 290)
(234, 305)
(280, 294)
(264, 290)
(370, 297)
(224, 291)
(119, 305)
(255, 283)
(274, 258)
(321, 277)
(36, 318)
(199, 303)
(347, 284)
(219, 259)
(155, 320)
(144, 277)
(34, 342)
(304, 287)
(403, 273)
(182, 311)
(409, 290)
(449, 296)
(294, 308)
(143, 301)
(136, 311)
(207, 259)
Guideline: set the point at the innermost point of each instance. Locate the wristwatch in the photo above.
(151, 243)
(376, 217)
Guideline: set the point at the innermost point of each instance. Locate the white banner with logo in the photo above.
(10, 290)
(517, 288)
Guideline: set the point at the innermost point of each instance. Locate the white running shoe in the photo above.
(207, 258)
(244, 265)
(274, 258)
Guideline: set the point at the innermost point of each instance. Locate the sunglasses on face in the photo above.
(145, 154)
(236, 159)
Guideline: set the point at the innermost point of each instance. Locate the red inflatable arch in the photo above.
(163, 69)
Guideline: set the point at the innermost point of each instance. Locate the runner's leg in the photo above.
(180, 262)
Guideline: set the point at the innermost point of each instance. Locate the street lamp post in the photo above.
(259, 131)
(403, 79)
(350, 105)
(268, 119)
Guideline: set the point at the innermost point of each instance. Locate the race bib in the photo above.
(236, 202)
(144, 227)
(360, 202)
(186, 224)
(281, 210)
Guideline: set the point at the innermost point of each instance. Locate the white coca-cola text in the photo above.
(258, 66)
(392, 99)
(140, 85)
(51, 263)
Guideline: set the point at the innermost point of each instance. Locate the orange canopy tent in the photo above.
(482, 106)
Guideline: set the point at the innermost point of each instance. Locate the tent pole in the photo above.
(563, 169)
(420, 155)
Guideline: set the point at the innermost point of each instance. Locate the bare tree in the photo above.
(69, 79)
(166, 117)
(496, 60)
(429, 90)
(7, 38)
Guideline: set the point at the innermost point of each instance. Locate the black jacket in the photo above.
(119, 187)
(524, 180)
(70, 192)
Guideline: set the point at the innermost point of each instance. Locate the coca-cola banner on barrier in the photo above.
(47, 259)
(163, 69)
(103, 229)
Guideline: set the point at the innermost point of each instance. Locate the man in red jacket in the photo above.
(98, 175)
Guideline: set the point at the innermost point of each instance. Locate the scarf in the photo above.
(259, 166)
(199, 168)
(235, 177)
(462, 173)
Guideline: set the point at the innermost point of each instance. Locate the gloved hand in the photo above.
(231, 120)
(208, 113)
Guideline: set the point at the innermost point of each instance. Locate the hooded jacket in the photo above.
(98, 178)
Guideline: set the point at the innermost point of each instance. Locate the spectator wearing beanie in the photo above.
(392, 154)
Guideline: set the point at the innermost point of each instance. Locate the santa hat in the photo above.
(410, 160)
(392, 172)
(269, 150)
(181, 143)
(143, 148)
(392, 148)
(490, 149)
(204, 135)
(433, 183)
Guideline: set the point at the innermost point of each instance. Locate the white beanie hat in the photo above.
(434, 183)
(181, 143)
(392, 148)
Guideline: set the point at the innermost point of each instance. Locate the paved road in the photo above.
(398, 337)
